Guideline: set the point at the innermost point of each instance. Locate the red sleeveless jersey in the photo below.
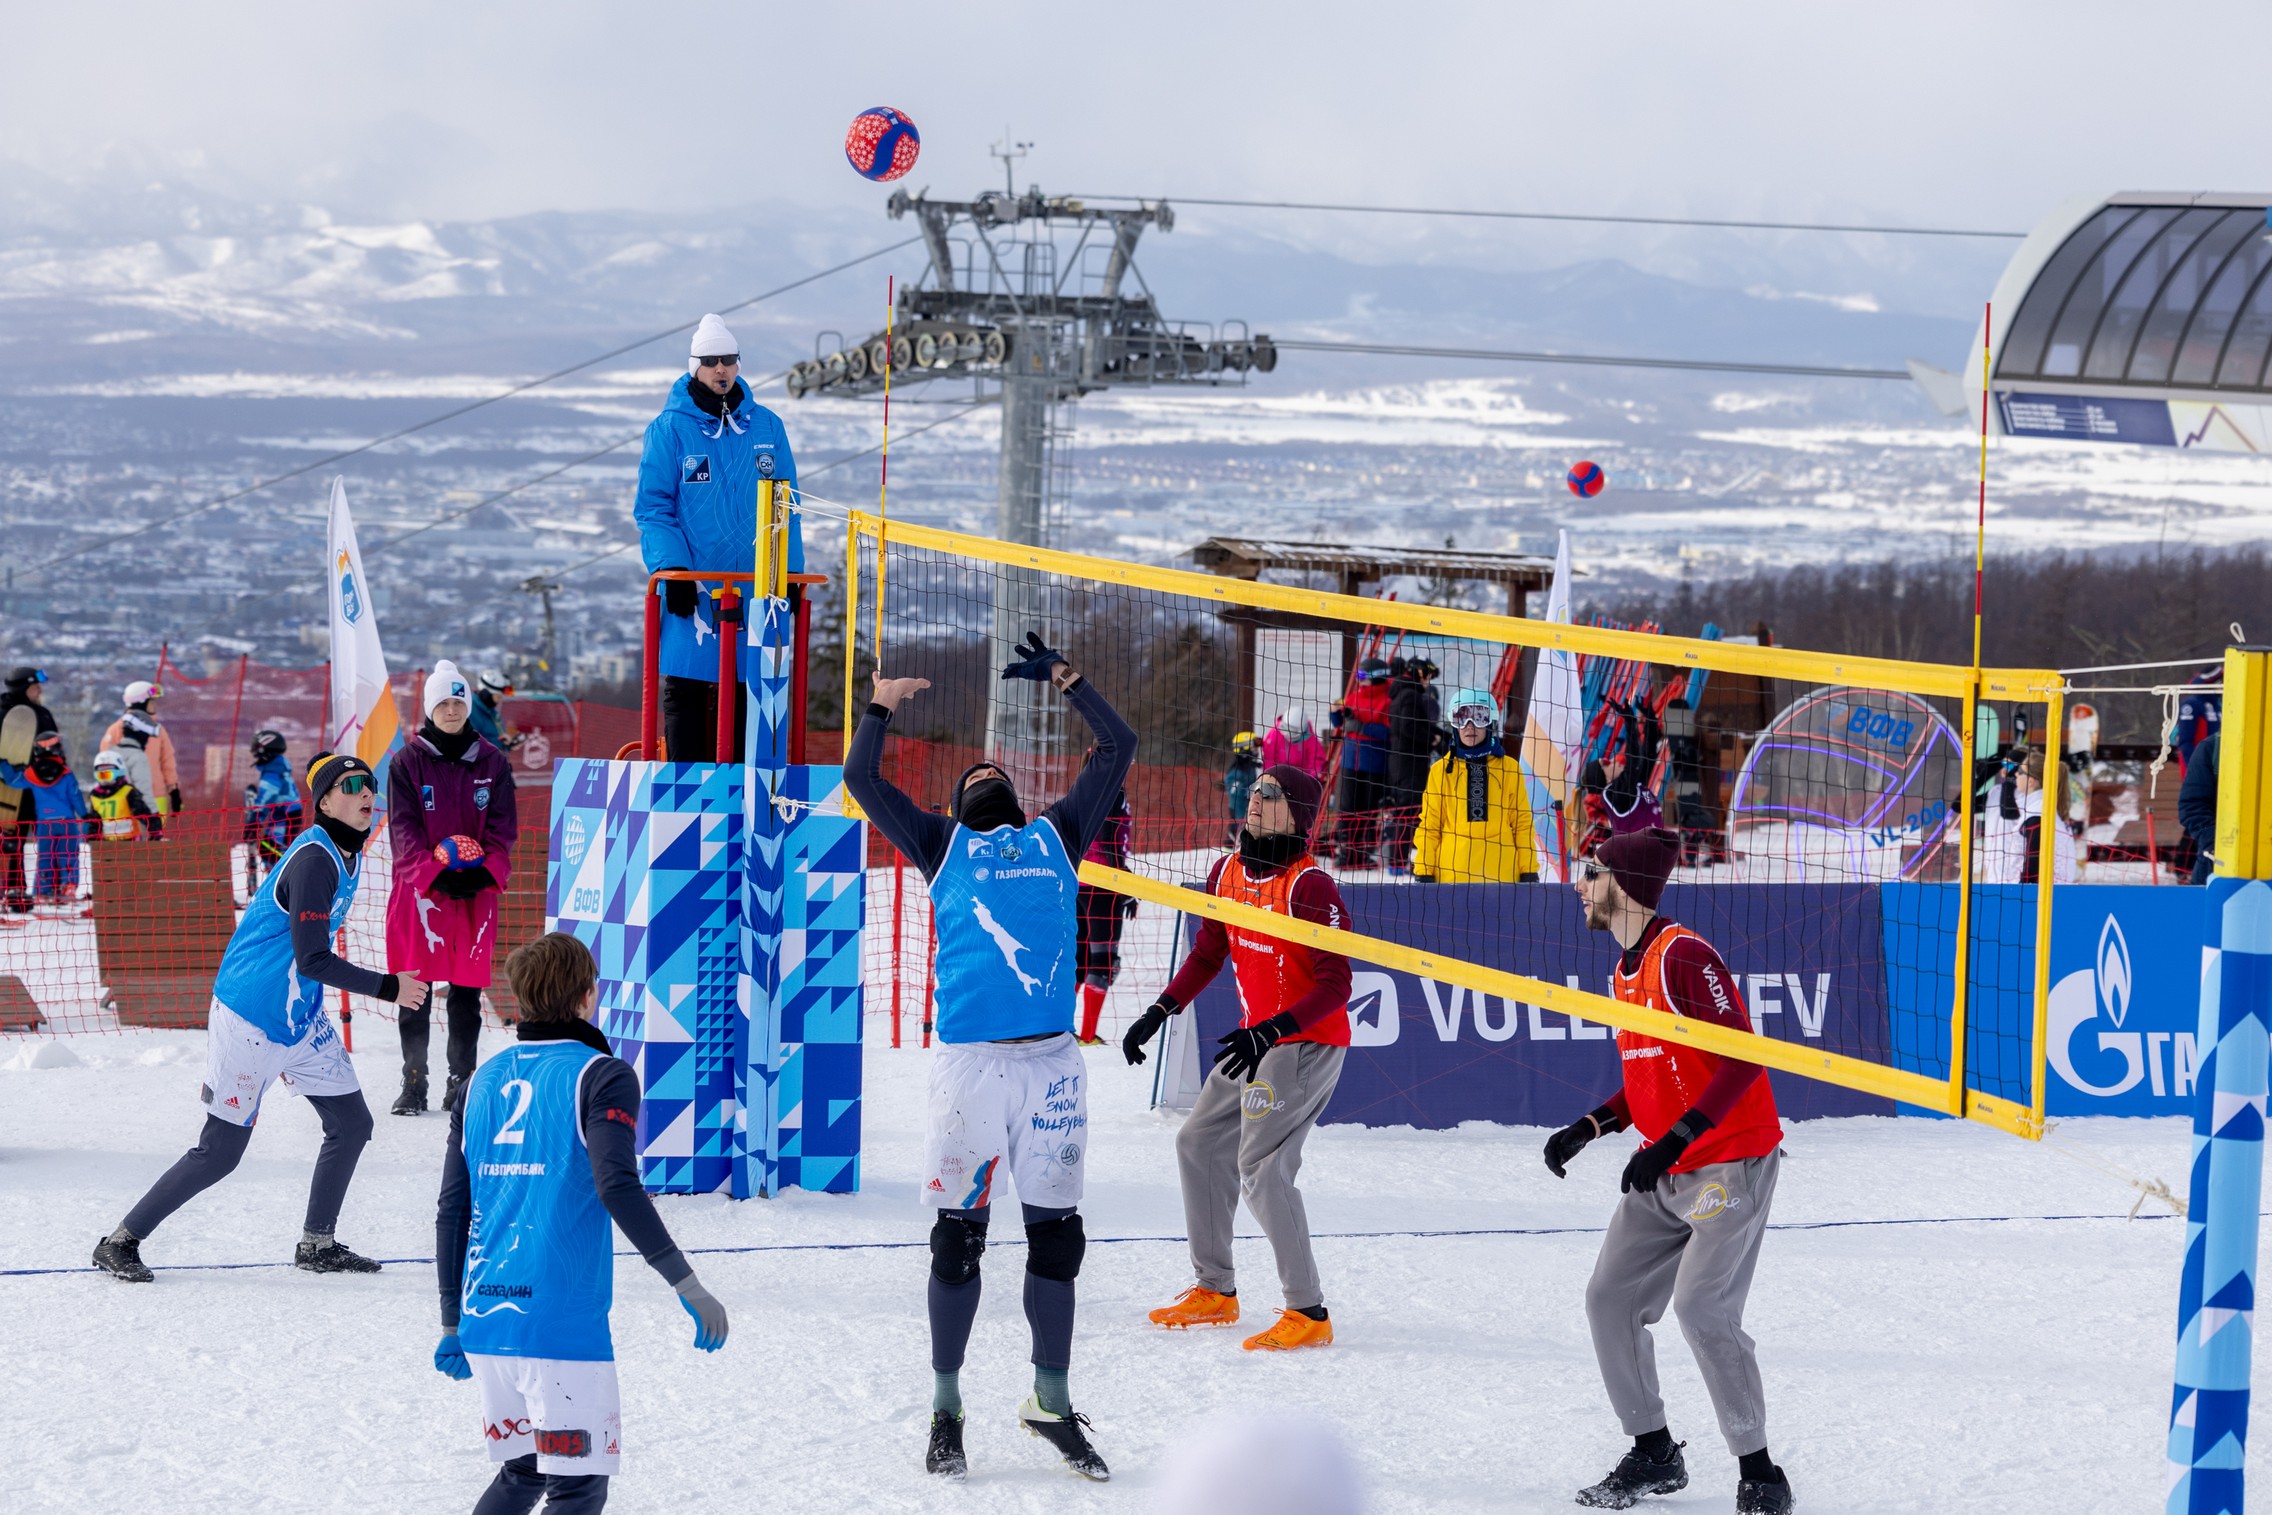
(1664, 1079)
(1273, 974)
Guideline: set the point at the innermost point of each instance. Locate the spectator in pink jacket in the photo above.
(451, 818)
(1292, 740)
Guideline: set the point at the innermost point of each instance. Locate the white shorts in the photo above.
(241, 1062)
(1024, 1101)
(565, 1413)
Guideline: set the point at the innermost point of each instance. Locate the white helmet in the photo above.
(141, 690)
(112, 758)
(1295, 722)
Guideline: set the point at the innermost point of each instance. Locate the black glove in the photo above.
(1577, 1136)
(477, 878)
(173, 800)
(1241, 1057)
(1035, 659)
(1423, 878)
(1147, 1026)
(1656, 1159)
(1127, 907)
(450, 885)
(679, 595)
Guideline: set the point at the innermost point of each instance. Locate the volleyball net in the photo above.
(1862, 839)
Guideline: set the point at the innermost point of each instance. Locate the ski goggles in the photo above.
(358, 783)
(723, 360)
(1471, 715)
(1268, 790)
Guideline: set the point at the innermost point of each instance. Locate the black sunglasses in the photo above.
(723, 360)
(1591, 871)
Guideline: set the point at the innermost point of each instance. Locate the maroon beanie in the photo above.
(1304, 794)
(1641, 861)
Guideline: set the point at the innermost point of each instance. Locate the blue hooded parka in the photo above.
(697, 508)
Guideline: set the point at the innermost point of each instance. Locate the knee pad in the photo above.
(956, 1247)
(1054, 1248)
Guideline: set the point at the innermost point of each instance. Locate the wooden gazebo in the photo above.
(1354, 568)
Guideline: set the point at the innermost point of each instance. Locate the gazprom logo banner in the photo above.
(1430, 1054)
(2125, 999)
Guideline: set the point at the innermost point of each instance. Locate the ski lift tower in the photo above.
(1007, 307)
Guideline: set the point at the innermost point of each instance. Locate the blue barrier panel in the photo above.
(1432, 1055)
(2125, 992)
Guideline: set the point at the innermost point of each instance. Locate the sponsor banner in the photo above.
(2126, 962)
(1808, 960)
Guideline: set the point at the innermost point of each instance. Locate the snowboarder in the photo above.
(1475, 822)
(59, 815)
(1008, 1082)
(272, 803)
(530, 1323)
(488, 716)
(697, 508)
(1274, 1074)
(1695, 1194)
(149, 752)
(267, 1022)
(24, 717)
(446, 785)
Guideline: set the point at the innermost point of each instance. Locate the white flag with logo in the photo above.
(363, 719)
(1555, 729)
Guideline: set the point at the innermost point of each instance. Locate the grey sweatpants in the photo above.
(1243, 1138)
(1695, 1242)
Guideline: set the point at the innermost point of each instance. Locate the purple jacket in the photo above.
(429, 799)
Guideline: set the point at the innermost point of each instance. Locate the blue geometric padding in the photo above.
(652, 866)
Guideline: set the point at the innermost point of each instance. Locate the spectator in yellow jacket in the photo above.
(1475, 822)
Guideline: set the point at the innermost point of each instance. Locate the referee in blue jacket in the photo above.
(697, 508)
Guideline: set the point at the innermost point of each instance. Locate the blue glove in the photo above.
(1035, 659)
(449, 1358)
(709, 1315)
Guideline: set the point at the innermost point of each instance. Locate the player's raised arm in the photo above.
(920, 836)
(1086, 809)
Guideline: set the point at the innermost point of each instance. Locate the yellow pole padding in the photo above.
(2244, 779)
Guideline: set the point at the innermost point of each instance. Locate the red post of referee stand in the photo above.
(729, 616)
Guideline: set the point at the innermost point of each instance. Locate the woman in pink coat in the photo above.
(445, 785)
(1293, 741)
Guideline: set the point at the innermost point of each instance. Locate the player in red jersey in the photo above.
(1695, 1194)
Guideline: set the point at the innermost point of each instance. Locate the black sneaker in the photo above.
(1068, 1434)
(1765, 1496)
(331, 1257)
(1635, 1477)
(122, 1260)
(945, 1456)
(450, 1091)
(412, 1099)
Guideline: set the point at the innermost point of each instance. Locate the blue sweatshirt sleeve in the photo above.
(1081, 816)
(920, 835)
(662, 536)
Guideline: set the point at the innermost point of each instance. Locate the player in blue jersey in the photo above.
(542, 1155)
(1008, 1086)
(267, 1022)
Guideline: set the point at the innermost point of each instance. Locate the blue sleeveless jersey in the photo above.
(1004, 901)
(259, 977)
(539, 1261)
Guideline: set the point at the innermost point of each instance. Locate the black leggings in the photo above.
(221, 1145)
(463, 1007)
(518, 1486)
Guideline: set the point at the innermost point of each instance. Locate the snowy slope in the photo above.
(1922, 1350)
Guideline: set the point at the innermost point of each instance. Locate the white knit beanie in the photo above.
(711, 340)
(445, 683)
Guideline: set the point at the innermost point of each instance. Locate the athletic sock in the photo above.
(946, 1392)
(316, 1239)
(1655, 1445)
(1758, 1467)
(1051, 1391)
(1314, 1312)
(122, 1236)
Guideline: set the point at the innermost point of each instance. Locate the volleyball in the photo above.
(882, 144)
(457, 852)
(1586, 479)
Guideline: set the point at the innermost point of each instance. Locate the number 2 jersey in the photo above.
(542, 1157)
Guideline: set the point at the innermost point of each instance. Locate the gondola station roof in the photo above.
(2142, 317)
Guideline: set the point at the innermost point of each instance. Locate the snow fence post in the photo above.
(2216, 1303)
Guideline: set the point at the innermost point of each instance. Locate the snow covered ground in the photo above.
(1948, 1319)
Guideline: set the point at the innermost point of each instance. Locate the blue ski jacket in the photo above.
(697, 508)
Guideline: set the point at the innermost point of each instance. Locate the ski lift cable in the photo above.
(1726, 224)
(1589, 360)
(453, 414)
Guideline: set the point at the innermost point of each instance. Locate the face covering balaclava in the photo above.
(986, 803)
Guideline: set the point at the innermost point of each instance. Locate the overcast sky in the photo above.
(1971, 113)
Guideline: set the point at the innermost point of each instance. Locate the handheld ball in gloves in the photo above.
(457, 852)
(1586, 479)
(882, 144)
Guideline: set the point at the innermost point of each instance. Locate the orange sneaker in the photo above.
(1198, 1307)
(1293, 1329)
